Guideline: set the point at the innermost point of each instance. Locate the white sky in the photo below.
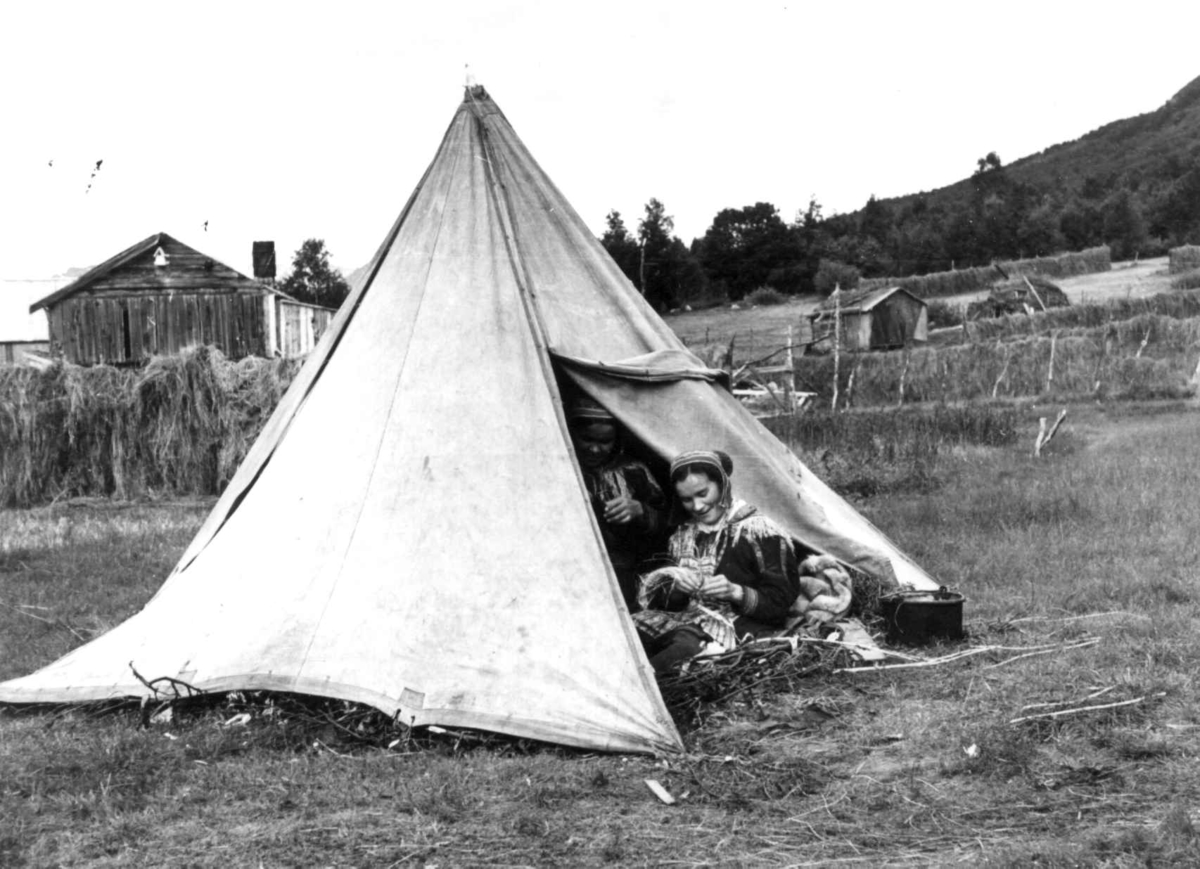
(286, 121)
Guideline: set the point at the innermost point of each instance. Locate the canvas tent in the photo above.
(445, 566)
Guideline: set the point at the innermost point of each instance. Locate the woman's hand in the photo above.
(622, 510)
(688, 582)
(719, 588)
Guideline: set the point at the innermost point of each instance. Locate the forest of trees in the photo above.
(1000, 218)
(1133, 185)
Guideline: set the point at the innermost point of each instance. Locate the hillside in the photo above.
(1153, 146)
(1148, 155)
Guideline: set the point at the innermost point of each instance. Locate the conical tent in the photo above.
(440, 559)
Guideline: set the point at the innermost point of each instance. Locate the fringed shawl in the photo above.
(696, 550)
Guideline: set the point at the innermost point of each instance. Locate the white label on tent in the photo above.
(410, 699)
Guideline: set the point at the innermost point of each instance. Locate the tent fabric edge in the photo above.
(576, 736)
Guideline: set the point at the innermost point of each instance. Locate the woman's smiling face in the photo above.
(700, 496)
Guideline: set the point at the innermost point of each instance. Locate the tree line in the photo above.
(992, 216)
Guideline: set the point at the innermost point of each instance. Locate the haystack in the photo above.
(1019, 295)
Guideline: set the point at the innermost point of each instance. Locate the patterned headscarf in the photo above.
(721, 466)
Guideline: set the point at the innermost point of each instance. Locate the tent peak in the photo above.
(475, 92)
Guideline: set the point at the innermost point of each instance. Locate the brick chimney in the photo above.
(263, 255)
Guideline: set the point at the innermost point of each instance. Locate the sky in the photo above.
(224, 123)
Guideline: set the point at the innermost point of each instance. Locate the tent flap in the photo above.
(672, 416)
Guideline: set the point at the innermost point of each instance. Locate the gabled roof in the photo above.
(859, 301)
(229, 278)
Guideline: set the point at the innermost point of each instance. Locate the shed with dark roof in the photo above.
(881, 319)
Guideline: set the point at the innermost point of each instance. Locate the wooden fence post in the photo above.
(1044, 436)
(1142, 346)
(837, 340)
(1003, 371)
(903, 375)
(1050, 369)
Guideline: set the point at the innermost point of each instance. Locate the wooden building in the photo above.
(159, 296)
(20, 352)
(23, 337)
(880, 319)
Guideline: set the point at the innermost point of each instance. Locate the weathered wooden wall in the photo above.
(12, 351)
(301, 326)
(122, 327)
(898, 320)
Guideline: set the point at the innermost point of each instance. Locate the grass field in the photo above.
(1079, 569)
(759, 331)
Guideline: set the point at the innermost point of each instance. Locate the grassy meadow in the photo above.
(1082, 609)
(757, 331)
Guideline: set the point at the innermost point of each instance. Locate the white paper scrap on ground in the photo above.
(856, 635)
(660, 792)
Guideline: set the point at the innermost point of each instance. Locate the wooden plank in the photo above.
(95, 331)
(162, 323)
(129, 340)
(66, 310)
(168, 330)
(260, 326)
(246, 324)
(114, 313)
(235, 334)
(225, 305)
(219, 338)
(54, 318)
(87, 334)
(90, 335)
(240, 325)
(148, 325)
(81, 334)
(207, 326)
(92, 327)
(178, 319)
(104, 321)
(76, 332)
(191, 331)
(137, 328)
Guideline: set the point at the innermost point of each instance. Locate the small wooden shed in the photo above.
(880, 319)
(160, 295)
(22, 335)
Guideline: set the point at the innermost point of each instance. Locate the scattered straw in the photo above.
(179, 426)
(1081, 709)
(970, 653)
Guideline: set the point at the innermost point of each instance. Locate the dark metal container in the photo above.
(919, 617)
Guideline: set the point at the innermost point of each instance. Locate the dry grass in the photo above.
(1115, 313)
(1094, 541)
(1184, 259)
(981, 279)
(1105, 362)
(759, 332)
(179, 426)
(754, 331)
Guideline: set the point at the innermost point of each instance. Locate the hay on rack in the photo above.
(1183, 259)
(957, 281)
(179, 426)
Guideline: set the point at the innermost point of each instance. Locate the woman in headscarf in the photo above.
(735, 571)
(628, 503)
